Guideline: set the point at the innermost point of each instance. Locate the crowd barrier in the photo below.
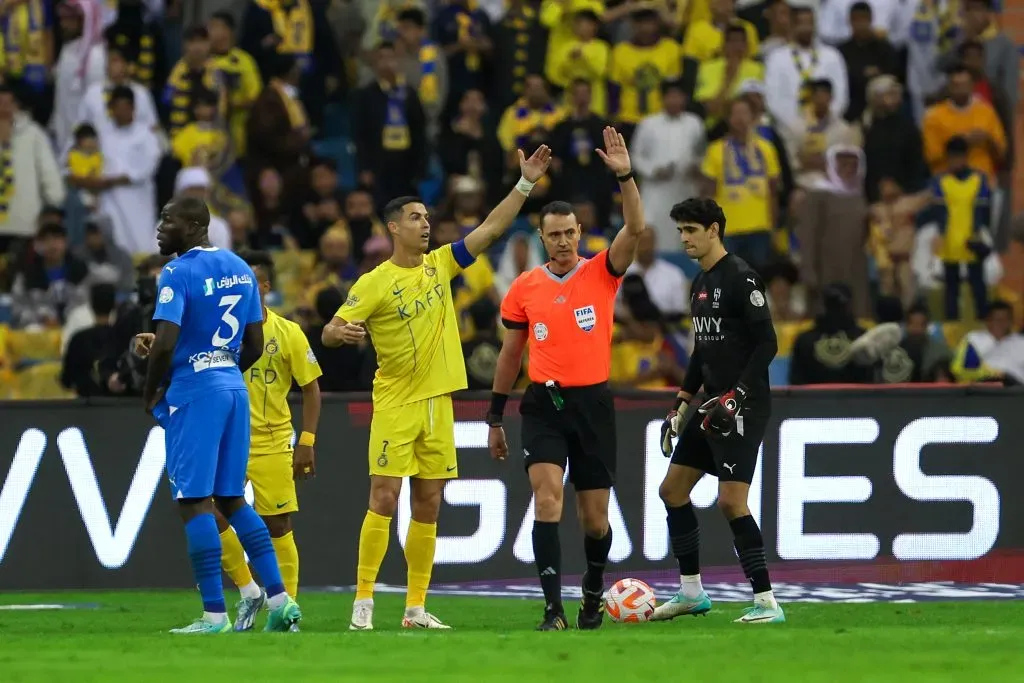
(862, 484)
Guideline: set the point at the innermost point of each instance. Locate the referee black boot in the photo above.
(591, 613)
(554, 620)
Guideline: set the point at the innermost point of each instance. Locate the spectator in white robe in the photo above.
(131, 155)
(195, 181)
(666, 150)
(790, 71)
(94, 109)
(82, 62)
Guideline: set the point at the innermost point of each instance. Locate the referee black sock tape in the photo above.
(596, 550)
(547, 553)
(684, 533)
(750, 548)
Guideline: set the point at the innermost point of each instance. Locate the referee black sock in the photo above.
(596, 550)
(684, 534)
(750, 548)
(547, 553)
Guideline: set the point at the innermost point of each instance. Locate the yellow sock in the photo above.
(288, 562)
(373, 545)
(232, 558)
(419, 556)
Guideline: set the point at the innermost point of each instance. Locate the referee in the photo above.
(564, 310)
(733, 345)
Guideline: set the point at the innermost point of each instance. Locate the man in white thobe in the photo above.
(82, 62)
(195, 181)
(666, 151)
(131, 155)
(789, 72)
(94, 110)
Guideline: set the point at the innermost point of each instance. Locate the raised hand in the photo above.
(536, 166)
(615, 155)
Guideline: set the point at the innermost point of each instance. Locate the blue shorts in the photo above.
(207, 443)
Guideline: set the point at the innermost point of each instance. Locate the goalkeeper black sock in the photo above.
(684, 534)
(596, 550)
(750, 548)
(547, 553)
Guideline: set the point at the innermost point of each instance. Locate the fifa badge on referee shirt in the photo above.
(586, 318)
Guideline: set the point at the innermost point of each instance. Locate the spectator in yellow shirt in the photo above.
(204, 142)
(85, 161)
(966, 116)
(705, 39)
(585, 58)
(741, 173)
(638, 69)
(719, 79)
(238, 73)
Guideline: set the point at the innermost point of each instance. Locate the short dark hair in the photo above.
(969, 45)
(385, 45)
(225, 18)
(958, 68)
(197, 32)
(84, 130)
(51, 228)
(957, 145)
(259, 259)
(281, 65)
(555, 208)
(989, 4)
(393, 209)
(414, 15)
(919, 308)
(800, 9)
(673, 84)
(999, 305)
(821, 84)
(114, 49)
(122, 92)
(861, 6)
(205, 97)
(193, 210)
(735, 30)
(102, 298)
(700, 210)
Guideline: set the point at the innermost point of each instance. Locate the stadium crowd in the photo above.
(861, 151)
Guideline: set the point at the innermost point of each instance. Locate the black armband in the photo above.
(678, 404)
(497, 410)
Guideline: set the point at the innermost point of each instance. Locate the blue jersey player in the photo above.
(209, 330)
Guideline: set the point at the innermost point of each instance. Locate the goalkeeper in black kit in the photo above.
(734, 343)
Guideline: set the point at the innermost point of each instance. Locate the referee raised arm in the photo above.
(564, 310)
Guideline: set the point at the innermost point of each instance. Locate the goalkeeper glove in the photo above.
(720, 412)
(671, 426)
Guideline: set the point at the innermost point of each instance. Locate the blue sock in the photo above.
(204, 552)
(255, 538)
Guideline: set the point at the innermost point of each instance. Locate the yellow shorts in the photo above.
(273, 484)
(415, 440)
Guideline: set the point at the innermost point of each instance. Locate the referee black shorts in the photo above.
(730, 458)
(580, 436)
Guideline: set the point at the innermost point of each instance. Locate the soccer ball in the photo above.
(630, 601)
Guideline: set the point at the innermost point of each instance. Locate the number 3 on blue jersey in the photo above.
(229, 300)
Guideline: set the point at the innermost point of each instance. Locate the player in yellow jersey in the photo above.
(273, 465)
(406, 306)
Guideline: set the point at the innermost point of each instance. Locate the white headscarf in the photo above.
(833, 183)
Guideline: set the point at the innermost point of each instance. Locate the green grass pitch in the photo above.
(124, 639)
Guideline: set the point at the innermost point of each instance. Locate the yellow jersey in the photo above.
(410, 316)
(638, 72)
(587, 61)
(743, 183)
(198, 144)
(85, 164)
(286, 356)
(704, 40)
(711, 80)
(966, 202)
(241, 78)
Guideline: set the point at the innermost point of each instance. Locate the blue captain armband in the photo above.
(462, 255)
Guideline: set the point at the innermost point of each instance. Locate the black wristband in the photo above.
(497, 409)
(624, 178)
(678, 404)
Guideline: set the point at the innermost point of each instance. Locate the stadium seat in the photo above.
(25, 347)
(41, 381)
(778, 371)
(342, 152)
